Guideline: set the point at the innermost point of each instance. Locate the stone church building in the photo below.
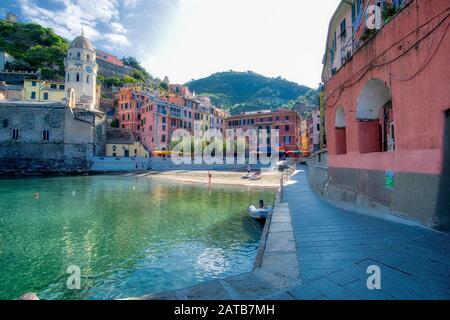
(45, 137)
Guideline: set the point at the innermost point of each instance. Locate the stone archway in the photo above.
(375, 118)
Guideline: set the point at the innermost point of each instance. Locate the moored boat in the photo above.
(259, 213)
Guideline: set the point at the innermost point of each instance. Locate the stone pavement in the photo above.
(335, 247)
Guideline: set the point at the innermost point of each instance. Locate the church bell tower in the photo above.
(81, 73)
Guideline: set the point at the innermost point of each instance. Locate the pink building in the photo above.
(313, 131)
(387, 100)
(154, 118)
(155, 126)
(128, 113)
(286, 121)
(101, 55)
(179, 90)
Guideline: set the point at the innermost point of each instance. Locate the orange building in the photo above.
(304, 139)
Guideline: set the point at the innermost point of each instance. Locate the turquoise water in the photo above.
(129, 236)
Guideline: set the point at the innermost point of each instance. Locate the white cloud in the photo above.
(118, 40)
(118, 27)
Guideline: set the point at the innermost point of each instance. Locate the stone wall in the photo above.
(318, 178)
(30, 153)
(100, 136)
(122, 164)
(62, 153)
(413, 196)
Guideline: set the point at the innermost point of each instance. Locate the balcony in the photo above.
(361, 35)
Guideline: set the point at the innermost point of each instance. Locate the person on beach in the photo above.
(209, 177)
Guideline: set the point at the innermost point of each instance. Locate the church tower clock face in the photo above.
(88, 69)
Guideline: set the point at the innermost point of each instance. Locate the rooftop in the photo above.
(81, 42)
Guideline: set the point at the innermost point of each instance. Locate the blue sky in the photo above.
(190, 39)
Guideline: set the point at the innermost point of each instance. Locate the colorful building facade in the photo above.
(304, 139)
(313, 131)
(387, 103)
(43, 91)
(153, 118)
(286, 121)
(110, 65)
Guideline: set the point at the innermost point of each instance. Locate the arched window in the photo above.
(87, 79)
(68, 77)
(340, 132)
(78, 55)
(376, 118)
(78, 77)
(88, 58)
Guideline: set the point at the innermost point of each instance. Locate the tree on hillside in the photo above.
(139, 72)
(35, 47)
(163, 85)
(248, 91)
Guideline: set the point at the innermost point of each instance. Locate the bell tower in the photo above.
(81, 73)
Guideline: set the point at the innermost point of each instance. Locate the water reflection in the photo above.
(128, 236)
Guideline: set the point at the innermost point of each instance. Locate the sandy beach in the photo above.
(269, 179)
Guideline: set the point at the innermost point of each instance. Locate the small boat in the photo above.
(259, 214)
(280, 165)
(256, 176)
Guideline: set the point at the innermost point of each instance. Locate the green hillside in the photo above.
(249, 91)
(34, 47)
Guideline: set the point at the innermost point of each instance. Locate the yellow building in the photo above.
(304, 139)
(43, 90)
(121, 143)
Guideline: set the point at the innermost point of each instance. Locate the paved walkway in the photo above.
(335, 247)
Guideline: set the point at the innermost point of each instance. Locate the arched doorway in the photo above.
(340, 132)
(375, 118)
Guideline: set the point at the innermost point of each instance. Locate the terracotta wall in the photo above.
(418, 103)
